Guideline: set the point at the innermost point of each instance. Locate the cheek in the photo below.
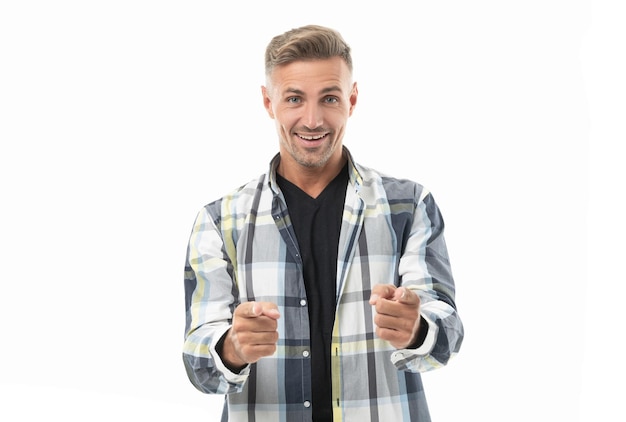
(286, 119)
(282, 130)
(339, 117)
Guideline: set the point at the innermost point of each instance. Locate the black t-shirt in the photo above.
(317, 223)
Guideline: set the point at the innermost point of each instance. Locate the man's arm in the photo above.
(425, 271)
(210, 300)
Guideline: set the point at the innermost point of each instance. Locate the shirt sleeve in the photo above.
(210, 299)
(425, 268)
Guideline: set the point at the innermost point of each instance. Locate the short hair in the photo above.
(310, 42)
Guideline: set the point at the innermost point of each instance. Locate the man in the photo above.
(322, 289)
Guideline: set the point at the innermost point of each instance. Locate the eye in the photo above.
(293, 100)
(331, 100)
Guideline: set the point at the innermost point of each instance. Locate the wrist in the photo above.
(226, 350)
(420, 336)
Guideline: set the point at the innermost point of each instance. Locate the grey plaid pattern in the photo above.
(243, 248)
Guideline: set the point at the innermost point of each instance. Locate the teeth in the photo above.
(312, 138)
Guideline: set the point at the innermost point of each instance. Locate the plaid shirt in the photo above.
(243, 248)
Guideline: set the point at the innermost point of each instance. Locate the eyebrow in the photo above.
(327, 90)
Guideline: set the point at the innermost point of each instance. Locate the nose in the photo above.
(313, 115)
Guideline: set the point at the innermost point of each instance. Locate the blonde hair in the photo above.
(308, 42)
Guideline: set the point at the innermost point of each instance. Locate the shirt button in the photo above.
(307, 403)
(302, 302)
(305, 353)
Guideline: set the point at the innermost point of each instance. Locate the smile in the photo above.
(312, 138)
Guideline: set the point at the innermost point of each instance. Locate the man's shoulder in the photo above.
(394, 188)
(241, 195)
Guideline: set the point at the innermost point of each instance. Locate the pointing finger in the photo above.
(270, 311)
(384, 291)
(257, 309)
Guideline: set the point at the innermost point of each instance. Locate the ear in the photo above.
(353, 97)
(267, 102)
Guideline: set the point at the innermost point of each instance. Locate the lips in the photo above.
(312, 141)
(312, 137)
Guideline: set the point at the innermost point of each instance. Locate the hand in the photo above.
(253, 334)
(397, 314)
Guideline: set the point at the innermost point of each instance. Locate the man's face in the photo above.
(310, 102)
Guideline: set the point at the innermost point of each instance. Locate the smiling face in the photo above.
(311, 101)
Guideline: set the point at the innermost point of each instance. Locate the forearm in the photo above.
(205, 368)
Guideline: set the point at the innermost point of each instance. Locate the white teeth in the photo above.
(312, 138)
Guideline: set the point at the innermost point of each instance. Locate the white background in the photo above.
(119, 120)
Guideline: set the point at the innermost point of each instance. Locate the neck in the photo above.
(313, 180)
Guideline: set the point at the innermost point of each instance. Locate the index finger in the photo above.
(384, 291)
(269, 309)
(257, 309)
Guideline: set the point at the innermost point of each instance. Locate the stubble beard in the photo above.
(313, 157)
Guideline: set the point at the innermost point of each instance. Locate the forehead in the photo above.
(311, 74)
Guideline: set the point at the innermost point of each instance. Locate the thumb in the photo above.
(255, 309)
(406, 296)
